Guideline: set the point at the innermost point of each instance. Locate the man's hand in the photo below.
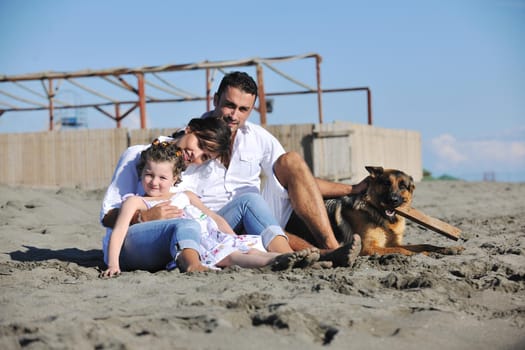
(161, 211)
(360, 187)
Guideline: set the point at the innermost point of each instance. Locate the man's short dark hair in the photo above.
(239, 80)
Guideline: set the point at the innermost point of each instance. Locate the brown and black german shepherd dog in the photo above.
(372, 215)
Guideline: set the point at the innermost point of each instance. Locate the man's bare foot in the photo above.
(345, 255)
(301, 259)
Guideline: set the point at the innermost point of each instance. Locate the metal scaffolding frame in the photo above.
(51, 83)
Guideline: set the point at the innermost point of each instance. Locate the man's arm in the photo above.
(335, 189)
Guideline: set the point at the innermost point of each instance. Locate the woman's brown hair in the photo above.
(213, 135)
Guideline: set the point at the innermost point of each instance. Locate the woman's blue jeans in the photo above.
(249, 213)
(152, 245)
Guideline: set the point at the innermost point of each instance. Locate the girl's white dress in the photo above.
(215, 245)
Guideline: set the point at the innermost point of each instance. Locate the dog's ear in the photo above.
(374, 170)
(411, 184)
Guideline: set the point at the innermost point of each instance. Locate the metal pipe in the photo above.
(142, 100)
(141, 72)
(153, 69)
(319, 90)
(208, 90)
(262, 97)
(186, 99)
(117, 114)
(51, 95)
(369, 102)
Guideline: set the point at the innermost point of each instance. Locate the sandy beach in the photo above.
(52, 297)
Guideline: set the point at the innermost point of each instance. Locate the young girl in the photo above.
(160, 167)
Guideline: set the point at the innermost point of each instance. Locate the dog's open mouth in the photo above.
(390, 215)
(389, 211)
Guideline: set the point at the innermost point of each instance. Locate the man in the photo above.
(289, 186)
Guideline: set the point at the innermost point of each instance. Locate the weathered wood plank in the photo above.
(434, 224)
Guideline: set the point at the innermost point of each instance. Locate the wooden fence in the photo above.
(86, 158)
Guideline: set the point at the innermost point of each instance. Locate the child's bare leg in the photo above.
(255, 258)
(252, 259)
(189, 261)
(255, 251)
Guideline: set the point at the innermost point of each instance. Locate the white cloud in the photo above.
(518, 149)
(455, 156)
(446, 148)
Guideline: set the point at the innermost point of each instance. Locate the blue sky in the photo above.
(454, 70)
